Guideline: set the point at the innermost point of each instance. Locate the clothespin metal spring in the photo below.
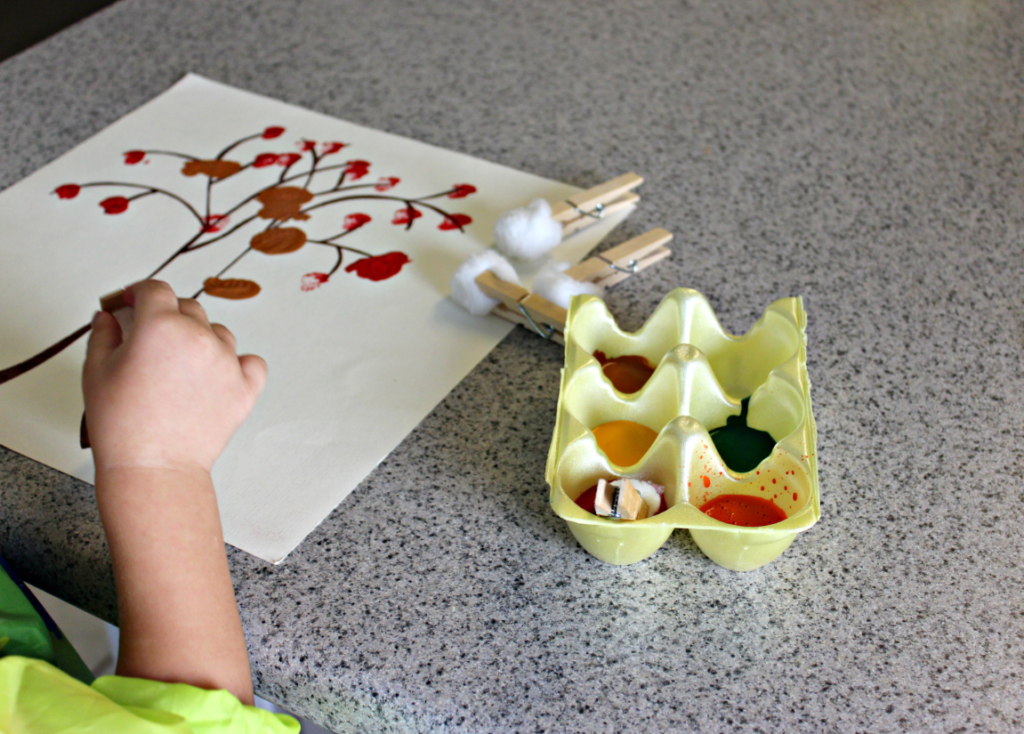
(632, 268)
(596, 213)
(547, 332)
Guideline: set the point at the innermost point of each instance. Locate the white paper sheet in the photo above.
(355, 364)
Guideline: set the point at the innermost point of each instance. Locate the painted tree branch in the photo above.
(282, 203)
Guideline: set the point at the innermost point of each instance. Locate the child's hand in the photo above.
(164, 392)
(167, 391)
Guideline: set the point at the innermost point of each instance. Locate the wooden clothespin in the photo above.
(613, 266)
(520, 306)
(585, 208)
(619, 499)
(113, 301)
(618, 263)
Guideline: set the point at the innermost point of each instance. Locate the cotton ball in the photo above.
(529, 232)
(467, 293)
(553, 284)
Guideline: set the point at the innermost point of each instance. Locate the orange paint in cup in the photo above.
(624, 442)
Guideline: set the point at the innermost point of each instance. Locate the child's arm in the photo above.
(163, 397)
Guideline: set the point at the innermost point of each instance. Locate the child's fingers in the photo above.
(125, 318)
(224, 334)
(152, 297)
(254, 368)
(191, 307)
(104, 339)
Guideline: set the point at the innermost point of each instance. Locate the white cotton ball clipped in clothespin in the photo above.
(528, 232)
(553, 284)
(467, 293)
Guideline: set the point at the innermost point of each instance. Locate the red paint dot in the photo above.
(379, 267)
(455, 221)
(312, 281)
(406, 215)
(215, 222)
(707, 482)
(114, 205)
(356, 169)
(355, 221)
(461, 191)
(773, 480)
(794, 496)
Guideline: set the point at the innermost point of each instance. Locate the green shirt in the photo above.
(46, 688)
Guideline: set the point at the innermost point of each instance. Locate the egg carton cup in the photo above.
(703, 373)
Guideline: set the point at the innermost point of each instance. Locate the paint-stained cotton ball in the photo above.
(529, 232)
(553, 284)
(467, 293)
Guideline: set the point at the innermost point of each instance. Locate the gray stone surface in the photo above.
(868, 155)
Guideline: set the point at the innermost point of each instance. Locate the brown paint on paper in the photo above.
(234, 289)
(279, 241)
(283, 203)
(216, 170)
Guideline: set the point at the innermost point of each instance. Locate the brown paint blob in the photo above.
(279, 241)
(283, 203)
(234, 289)
(624, 442)
(216, 170)
(627, 373)
(739, 509)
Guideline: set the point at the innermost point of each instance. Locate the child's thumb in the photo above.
(104, 339)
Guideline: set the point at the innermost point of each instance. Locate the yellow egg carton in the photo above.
(702, 375)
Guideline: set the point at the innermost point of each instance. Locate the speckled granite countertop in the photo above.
(868, 155)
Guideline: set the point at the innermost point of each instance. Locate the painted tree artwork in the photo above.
(310, 181)
(325, 246)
